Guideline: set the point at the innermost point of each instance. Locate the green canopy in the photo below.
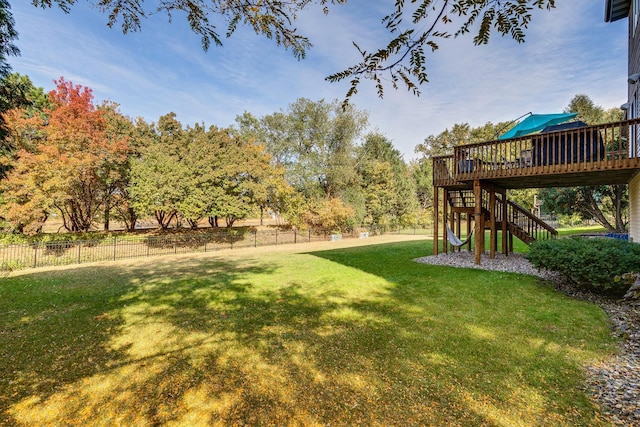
(536, 122)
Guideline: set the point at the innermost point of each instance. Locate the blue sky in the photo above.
(568, 51)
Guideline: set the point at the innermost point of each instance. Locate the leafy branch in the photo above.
(273, 19)
(402, 62)
(507, 17)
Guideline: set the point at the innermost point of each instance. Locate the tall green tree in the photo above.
(157, 174)
(415, 28)
(8, 36)
(388, 185)
(316, 144)
(422, 171)
(459, 134)
(116, 174)
(194, 173)
(231, 176)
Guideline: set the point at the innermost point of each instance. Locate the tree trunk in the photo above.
(160, 218)
(132, 219)
(591, 206)
(164, 219)
(107, 214)
(618, 200)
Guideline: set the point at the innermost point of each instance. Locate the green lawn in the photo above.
(344, 337)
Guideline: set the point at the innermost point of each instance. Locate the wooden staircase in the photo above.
(520, 222)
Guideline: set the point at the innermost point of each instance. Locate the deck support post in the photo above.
(479, 223)
(445, 214)
(510, 242)
(436, 218)
(458, 217)
(505, 222)
(452, 226)
(469, 231)
(492, 224)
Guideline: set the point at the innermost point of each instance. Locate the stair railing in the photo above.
(530, 224)
(519, 217)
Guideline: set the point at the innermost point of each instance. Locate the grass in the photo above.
(352, 336)
(568, 231)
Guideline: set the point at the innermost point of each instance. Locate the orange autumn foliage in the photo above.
(63, 163)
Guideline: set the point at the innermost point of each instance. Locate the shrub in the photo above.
(330, 214)
(589, 263)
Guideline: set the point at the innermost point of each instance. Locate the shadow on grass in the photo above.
(512, 349)
(347, 337)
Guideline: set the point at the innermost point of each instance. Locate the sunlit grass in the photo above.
(567, 231)
(360, 336)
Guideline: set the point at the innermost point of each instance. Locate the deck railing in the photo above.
(602, 147)
(529, 223)
(442, 171)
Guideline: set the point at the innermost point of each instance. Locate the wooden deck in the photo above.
(594, 155)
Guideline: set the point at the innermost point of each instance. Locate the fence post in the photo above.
(309, 234)
(115, 243)
(295, 236)
(35, 255)
(175, 245)
(79, 250)
(276, 237)
(255, 238)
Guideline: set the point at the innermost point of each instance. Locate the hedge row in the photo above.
(591, 263)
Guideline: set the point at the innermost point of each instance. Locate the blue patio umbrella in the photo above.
(536, 122)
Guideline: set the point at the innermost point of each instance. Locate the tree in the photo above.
(7, 36)
(234, 175)
(422, 171)
(460, 134)
(330, 214)
(62, 162)
(387, 183)
(17, 92)
(316, 145)
(116, 173)
(428, 24)
(194, 173)
(155, 184)
(600, 203)
(380, 195)
(444, 143)
(314, 141)
(414, 29)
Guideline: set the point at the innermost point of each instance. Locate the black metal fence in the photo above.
(44, 254)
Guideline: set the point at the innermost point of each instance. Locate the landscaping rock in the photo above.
(634, 291)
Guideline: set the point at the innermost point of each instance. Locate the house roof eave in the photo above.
(616, 10)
